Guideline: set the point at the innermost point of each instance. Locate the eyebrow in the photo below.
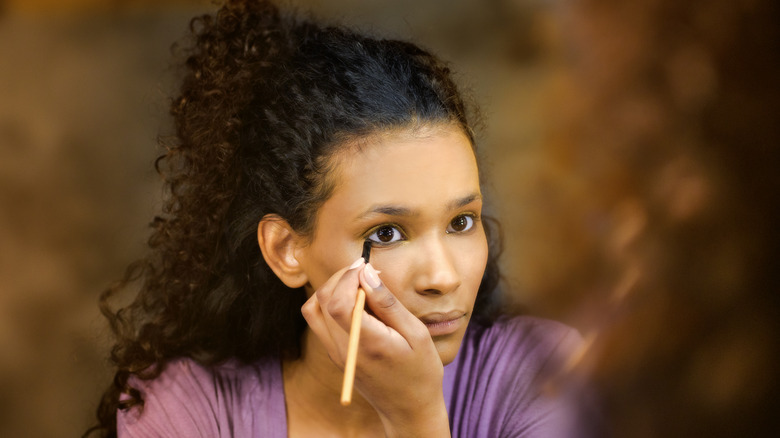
(398, 210)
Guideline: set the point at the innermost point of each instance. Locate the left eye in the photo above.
(460, 224)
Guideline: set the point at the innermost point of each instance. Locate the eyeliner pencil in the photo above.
(354, 337)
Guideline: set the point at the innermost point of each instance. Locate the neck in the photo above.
(312, 386)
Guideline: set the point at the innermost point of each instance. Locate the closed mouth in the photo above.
(443, 323)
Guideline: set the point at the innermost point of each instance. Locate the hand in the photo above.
(398, 371)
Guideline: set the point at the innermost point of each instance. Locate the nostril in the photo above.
(441, 287)
(439, 281)
(437, 272)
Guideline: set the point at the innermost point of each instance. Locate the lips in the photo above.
(444, 323)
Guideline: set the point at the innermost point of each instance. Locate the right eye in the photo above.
(386, 234)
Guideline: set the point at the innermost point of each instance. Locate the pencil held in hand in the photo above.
(352, 348)
(354, 337)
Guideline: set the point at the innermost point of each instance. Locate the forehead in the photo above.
(417, 168)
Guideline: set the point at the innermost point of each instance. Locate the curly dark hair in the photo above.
(266, 100)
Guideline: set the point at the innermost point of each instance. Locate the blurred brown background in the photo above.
(630, 148)
(83, 93)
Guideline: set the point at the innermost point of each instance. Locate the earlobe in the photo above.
(278, 242)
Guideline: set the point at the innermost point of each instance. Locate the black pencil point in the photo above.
(366, 250)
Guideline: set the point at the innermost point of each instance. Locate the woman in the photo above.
(295, 144)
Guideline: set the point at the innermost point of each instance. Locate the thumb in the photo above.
(386, 307)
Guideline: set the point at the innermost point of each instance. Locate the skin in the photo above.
(422, 189)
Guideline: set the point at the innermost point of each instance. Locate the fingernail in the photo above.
(372, 277)
(357, 263)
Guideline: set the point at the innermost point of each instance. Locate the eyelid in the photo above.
(475, 217)
(374, 229)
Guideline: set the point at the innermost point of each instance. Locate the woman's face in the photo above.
(417, 196)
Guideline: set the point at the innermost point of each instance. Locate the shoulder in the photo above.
(496, 384)
(524, 325)
(523, 339)
(190, 399)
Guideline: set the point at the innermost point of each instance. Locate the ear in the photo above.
(278, 242)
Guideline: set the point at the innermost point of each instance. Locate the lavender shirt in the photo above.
(491, 390)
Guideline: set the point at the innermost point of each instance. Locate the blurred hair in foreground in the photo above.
(662, 174)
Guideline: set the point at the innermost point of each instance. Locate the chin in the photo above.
(448, 349)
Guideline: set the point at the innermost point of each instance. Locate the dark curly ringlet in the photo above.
(266, 103)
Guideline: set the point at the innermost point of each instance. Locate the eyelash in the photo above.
(398, 229)
(372, 231)
(474, 219)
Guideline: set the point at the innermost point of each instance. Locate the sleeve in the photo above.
(183, 401)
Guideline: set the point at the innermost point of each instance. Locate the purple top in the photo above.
(491, 390)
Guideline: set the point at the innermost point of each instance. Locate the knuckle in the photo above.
(321, 294)
(377, 351)
(307, 310)
(375, 355)
(419, 335)
(337, 309)
(386, 301)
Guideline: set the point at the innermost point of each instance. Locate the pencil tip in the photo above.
(366, 250)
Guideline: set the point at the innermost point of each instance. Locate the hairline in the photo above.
(329, 165)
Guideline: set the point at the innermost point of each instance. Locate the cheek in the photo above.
(323, 259)
(472, 261)
(394, 266)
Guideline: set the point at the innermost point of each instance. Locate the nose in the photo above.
(437, 272)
